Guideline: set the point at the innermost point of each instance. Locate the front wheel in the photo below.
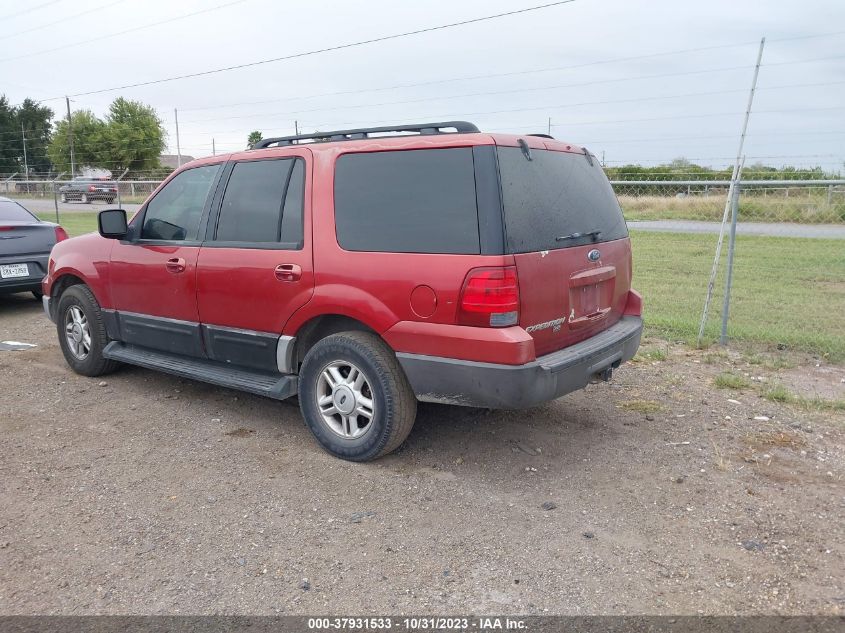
(82, 333)
(355, 397)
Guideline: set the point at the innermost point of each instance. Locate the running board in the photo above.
(278, 386)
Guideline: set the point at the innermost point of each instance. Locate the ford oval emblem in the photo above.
(594, 255)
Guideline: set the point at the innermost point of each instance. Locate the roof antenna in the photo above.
(526, 151)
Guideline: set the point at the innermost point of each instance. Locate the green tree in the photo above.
(88, 142)
(9, 149)
(134, 137)
(253, 138)
(35, 120)
(130, 137)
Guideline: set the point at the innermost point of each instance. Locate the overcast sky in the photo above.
(616, 76)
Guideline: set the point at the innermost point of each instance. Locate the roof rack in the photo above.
(424, 129)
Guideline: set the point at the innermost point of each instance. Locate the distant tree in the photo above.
(88, 142)
(130, 137)
(134, 137)
(253, 138)
(9, 149)
(36, 128)
(35, 120)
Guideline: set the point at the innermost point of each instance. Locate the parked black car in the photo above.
(25, 245)
(87, 189)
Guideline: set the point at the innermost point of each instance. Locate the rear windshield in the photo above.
(553, 196)
(13, 211)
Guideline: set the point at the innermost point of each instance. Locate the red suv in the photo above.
(363, 270)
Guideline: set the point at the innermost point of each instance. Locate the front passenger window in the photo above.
(175, 212)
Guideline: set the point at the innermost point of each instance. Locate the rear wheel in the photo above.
(355, 397)
(82, 333)
(83, 198)
(109, 200)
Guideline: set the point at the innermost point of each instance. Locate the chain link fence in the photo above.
(788, 288)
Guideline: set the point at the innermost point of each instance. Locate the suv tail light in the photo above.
(61, 234)
(92, 188)
(490, 298)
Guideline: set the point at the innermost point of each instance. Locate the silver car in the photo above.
(25, 244)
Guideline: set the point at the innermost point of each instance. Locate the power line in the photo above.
(521, 90)
(62, 21)
(116, 34)
(29, 10)
(323, 50)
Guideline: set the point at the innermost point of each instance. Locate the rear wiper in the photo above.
(575, 236)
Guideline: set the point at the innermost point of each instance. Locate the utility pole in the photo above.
(25, 163)
(602, 159)
(70, 137)
(213, 147)
(550, 126)
(296, 127)
(178, 147)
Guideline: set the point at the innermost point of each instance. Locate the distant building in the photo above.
(172, 160)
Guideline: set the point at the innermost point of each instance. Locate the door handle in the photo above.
(175, 265)
(288, 272)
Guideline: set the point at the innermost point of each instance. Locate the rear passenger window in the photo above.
(263, 203)
(414, 201)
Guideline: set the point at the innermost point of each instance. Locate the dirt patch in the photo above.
(128, 498)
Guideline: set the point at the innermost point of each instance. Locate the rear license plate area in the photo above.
(12, 271)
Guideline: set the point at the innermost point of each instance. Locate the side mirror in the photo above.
(112, 224)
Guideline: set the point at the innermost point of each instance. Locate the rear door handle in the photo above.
(288, 272)
(175, 265)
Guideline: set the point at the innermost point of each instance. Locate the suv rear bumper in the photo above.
(475, 384)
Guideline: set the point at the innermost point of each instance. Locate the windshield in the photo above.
(556, 200)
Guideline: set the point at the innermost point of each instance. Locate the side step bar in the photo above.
(277, 386)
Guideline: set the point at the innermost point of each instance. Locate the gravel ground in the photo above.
(657, 493)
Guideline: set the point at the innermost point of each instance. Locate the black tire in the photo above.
(109, 200)
(395, 404)
(37, 294)
(93, 364)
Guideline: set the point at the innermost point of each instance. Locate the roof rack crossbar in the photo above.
(423, 129)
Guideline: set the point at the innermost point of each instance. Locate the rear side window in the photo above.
(553, 196)
(415, 201)
(263, 202)
(174, 214)
(13, 211)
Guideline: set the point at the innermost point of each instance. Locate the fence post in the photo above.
(726, 305)
(829, 194)
(119, 203)
(56, 201)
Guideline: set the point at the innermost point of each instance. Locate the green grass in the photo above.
(727, 380)
(655, 354)
(75, 223)
(786, 291)
(779, 393)
(642, 406)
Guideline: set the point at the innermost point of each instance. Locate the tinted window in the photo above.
(554, 195)
(175, 212)
(418, 201)
(294, 202)
(253, 202)
(14, 211)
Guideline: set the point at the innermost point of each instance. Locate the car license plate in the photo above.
(7, 271)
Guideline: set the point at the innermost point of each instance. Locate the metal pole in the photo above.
(726, 305)
(56, 201)
(550, 126)
(70, 137)
(178, 147)
(25, 163)
(730, 193)
(213, 148)
(296, 127)
(119, 203)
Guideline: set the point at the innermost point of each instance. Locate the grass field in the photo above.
(786, 291)
(752, 208)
